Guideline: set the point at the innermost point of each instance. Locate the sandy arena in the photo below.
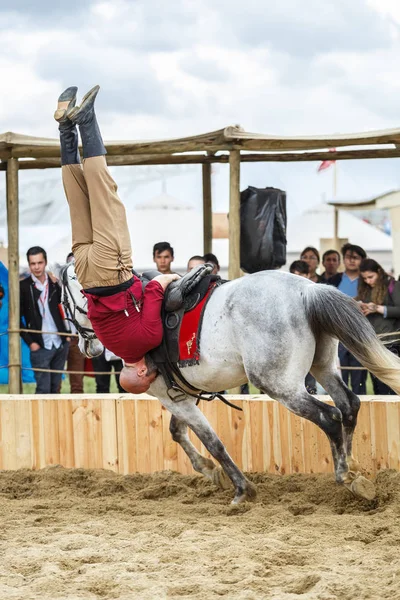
(84, 534)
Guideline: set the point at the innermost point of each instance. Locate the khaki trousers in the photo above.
(100, 236)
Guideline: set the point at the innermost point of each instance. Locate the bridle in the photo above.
(70, 311)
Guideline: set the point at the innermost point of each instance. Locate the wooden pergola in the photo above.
(230, 145)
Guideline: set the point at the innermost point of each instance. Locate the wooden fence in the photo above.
(130, 434)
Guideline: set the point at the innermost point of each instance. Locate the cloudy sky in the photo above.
(183, 67)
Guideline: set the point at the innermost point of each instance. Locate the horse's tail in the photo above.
(332, 312)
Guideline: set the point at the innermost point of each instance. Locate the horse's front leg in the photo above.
(200, 463)
(189, 413)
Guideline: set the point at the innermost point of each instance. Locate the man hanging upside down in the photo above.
(126, 320)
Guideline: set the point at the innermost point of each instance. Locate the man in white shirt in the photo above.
(40, 298)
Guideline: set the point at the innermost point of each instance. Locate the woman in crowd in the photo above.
(311, 256)
(379, 298)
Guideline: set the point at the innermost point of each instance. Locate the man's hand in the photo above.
(34, 347)
(165, 280)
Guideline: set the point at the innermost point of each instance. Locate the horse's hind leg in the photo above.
(329, 419)
(324, 370)
(189, 413)
(200, 463)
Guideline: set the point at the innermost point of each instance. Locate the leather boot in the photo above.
(85, 117)
(67, 129)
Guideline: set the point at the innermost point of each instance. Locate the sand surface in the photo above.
(74, 534)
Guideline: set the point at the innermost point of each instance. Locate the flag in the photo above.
(326, 163)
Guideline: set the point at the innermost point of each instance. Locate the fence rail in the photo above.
(130, 434)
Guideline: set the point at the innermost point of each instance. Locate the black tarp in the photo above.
(262, 229)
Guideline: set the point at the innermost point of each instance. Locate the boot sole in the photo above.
(73, 112)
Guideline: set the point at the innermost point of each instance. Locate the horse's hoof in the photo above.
(249, 494)
(362, 488)
(353, 464)
(220, 479)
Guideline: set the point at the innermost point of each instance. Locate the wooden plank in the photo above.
(255, 436)
(379, 435)
(393, 434)
(8, 436)
(108, 424)
(50, 432)
(81, 450)
(66, 433)
(143, 436)
(155, 436)
(126, 431)
(297, 445)
(95, 420)
(362, 442)
(284, 438)
(23, 434)
(311, 453)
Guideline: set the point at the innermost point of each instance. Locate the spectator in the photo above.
(379, 297)
(211, 258)
(163, 255)
(40, 297)
(194, 262)
(330, 262)
(105, 363)
(75, 360)
(347, 283)
(311, 256)
(300, 267)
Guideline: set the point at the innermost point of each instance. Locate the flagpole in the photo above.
(335, 210)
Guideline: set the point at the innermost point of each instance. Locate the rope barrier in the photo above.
(60, 333)
(63, 371)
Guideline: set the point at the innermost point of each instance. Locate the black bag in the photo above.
(262, 229)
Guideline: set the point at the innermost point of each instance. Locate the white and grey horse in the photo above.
(272, 328)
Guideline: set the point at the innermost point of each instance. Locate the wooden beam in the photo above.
(207, 208)
(183, 159)
(234, 215)
(14, 340)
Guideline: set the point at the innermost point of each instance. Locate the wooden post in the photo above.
(14, 344)
(207, 208)
(234, 214)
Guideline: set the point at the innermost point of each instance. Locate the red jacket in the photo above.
(121, 328)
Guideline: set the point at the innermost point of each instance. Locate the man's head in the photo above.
(163, 255)
(211, 258)
(195, 261)
(300, 267)
(331, 262)
(37, 261)
(137, 377)
(70, 257)
(352, 257)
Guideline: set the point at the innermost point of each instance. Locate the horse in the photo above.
(270, 328)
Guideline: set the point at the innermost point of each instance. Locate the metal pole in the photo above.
(207, 208)
(14, 343)
(234, 214)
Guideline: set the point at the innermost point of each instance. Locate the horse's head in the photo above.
(75, 307)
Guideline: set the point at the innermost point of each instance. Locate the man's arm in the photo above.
(23, 313)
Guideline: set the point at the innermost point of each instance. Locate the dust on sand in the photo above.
(86, 534)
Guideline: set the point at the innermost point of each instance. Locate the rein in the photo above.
(86, 332)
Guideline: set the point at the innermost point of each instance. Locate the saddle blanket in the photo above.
(189, 334)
